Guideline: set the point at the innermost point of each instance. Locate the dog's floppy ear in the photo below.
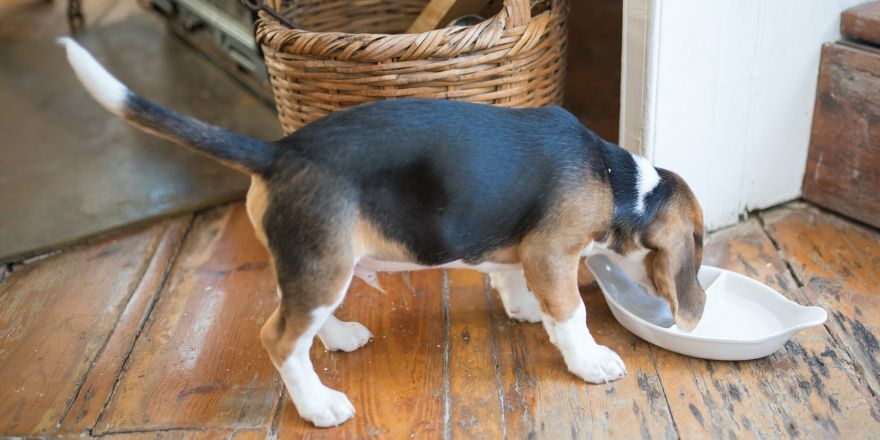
(675, 278)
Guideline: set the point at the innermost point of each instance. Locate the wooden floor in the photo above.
(153, 333)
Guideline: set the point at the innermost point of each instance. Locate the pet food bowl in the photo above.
(743, 319)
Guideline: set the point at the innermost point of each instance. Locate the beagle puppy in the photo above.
(521, 194)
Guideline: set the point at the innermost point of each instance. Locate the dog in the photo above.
(400, 185)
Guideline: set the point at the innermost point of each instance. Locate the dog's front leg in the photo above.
(553, 279)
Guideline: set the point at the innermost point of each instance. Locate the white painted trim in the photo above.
(722, 93)
(638, 75)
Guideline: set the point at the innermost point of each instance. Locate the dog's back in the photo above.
(414, 164)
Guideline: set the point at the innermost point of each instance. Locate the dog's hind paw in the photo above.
(339, 335)
(599, 365)
(326, 409)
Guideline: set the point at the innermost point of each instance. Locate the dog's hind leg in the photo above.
(308, 228)
(306, 306)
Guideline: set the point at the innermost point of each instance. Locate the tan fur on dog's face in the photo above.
(665, 258)
(675, 242)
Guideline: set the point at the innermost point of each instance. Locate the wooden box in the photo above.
(843, 166)
(862, 22)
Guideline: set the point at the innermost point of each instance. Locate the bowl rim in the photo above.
(689, 337)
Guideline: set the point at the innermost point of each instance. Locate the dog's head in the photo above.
(675, 241)
(664, 253)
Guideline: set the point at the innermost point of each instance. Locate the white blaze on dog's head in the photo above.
(647, 179)
(97, 80)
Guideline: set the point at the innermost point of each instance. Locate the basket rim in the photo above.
(445, 42)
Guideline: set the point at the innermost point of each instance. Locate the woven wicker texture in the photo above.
(348, 53)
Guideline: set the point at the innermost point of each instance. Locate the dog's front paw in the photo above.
(344, 336)
(326, 409)
(599, 365)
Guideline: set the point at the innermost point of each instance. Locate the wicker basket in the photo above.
(516, 58)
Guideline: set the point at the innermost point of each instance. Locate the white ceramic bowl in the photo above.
(743, 318)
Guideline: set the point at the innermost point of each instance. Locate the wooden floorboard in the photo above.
(199, 362)
(808, 389)
(634, 406)
(95, 390)
(475, 394)
(543, 400)
(396, 381)
(838, 263)
(153, 333)
(56, 316)
(196, 434)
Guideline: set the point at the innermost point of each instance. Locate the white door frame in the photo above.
(722, 92)
(638, 74)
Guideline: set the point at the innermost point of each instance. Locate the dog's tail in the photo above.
(237, 151)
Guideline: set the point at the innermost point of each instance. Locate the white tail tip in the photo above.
(97, 80)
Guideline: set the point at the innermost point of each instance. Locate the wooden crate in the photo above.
(843, 166)
(862, 22)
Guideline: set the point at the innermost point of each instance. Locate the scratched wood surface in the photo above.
(862, 22)
(96, 389)
(55, 316)
(396, 381)
(808, 389)
(475, 396)
(843, 165)
(838, 264)
(154, 335)
(199, 361)
(542, 400)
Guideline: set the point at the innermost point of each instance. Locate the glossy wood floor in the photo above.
(153, 333)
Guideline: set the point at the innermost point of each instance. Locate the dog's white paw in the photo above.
(520, 304)
(339, 335)
(599, 365)
(524, 313)
(326, 408)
